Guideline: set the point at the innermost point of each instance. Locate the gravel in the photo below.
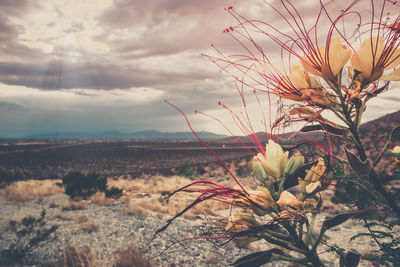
(116, 230)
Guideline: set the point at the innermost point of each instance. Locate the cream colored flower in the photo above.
(395, 150)
(275, 159)
(317, 177)
(393, 76)
(240, 223)
(327, 63)
(299, 77)
(374, 57)
(313, 187)
(396, 153)
(288, 199)
(316, 171)
(259, 200)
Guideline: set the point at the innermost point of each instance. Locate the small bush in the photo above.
(65, 203)
(9, 176)
(185, 169)
(130, 257)
(80, 185)
(114, 192)
(135, 209)
(77, 184)
(29, 231)
(75, 257)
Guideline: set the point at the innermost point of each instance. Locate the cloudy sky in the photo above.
(100, 65)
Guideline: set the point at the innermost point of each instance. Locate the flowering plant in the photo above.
(336, 73)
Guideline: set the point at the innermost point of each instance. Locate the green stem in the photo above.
(385, 148)
(312, 256)
(301, 230)
(281, 184)
(372, 174)
(292, 259)
(316, 243)
(282, 243)
(310, 230)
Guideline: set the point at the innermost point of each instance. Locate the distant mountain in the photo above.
(374, 133)
(150, 134)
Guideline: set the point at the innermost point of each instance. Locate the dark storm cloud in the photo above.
(17, 7)
(165, 27)
(128, 14)
(58, 74)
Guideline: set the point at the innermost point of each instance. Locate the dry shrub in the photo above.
(61, 216)
(86, 225)
(99, 198)
(152, 185)
(31, 189)
(130, 257)
(212, 260)
(143, 195)
(81, 219)
(65, 203)
(134, 209)
(75, 257)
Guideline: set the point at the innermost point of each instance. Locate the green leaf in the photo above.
(395, 222)
(340, 218)
(381, 234)
(258, 258)
(359, 235)
(372, 224)
(332, 130)
(395, 134)
(361, 167)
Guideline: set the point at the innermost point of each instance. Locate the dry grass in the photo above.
(146, 195)
(75, 257)
(65, 203)
(151, 185)
(130, 257)
(100, 199)
(134, 209)
(212, 260)
(86, 225)
(31, 189)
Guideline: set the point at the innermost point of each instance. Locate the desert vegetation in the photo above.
(325, 195)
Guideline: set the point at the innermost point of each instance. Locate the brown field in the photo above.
(54, 159)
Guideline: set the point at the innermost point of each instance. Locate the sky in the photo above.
(101, 65)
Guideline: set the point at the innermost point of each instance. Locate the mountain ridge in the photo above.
(146, 134)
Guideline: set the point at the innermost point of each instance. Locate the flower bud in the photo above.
(295, 163)
(258, 168)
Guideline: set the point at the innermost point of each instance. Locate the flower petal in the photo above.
(393, 76)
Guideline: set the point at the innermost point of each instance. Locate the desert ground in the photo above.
(105, 231)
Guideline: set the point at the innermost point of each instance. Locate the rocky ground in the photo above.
(107, 228)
